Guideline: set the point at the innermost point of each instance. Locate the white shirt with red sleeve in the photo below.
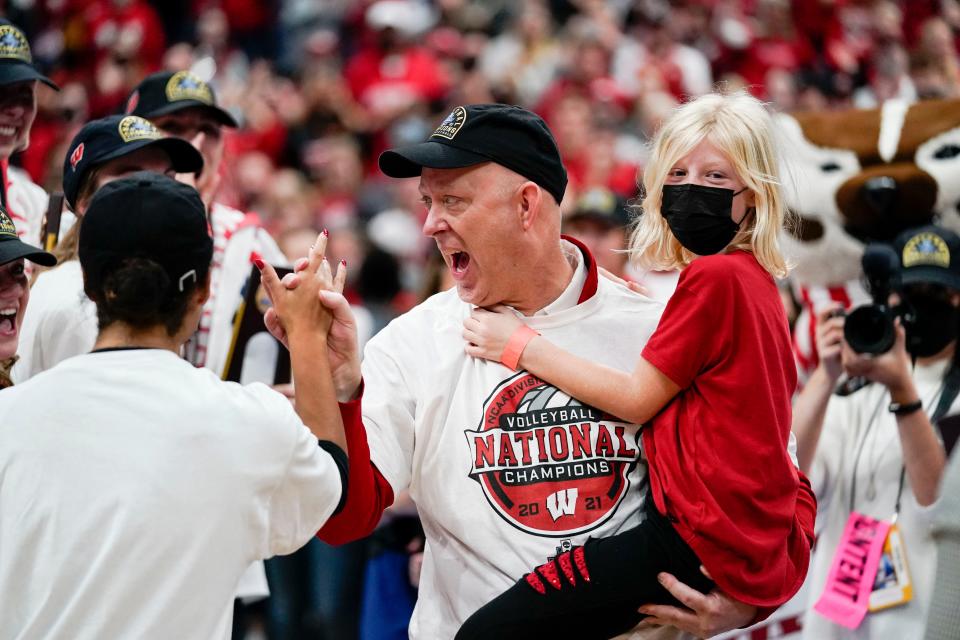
(506, 470)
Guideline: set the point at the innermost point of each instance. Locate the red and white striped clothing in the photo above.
(237, 239)
(812, 299)
(26, 203)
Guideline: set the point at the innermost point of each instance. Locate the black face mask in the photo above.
(934, 325)
(699, 216)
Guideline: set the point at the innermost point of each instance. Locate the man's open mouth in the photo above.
(459, 262)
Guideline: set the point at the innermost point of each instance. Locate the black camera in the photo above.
(870, 328)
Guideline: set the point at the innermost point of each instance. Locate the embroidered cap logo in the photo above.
(451, 124)
(136, 128)
(76, 156)
(13, 44)
(183, 85)
(6, 225)
(926, 249)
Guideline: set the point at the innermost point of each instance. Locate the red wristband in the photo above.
(515, 346)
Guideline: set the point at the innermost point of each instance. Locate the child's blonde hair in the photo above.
(742, 129)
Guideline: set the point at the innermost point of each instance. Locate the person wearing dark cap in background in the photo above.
(600, 220)
(184, 106)
(505, 469)
(134, 501)
(25, 202)
(14, 291)
(878, 451)
(61, 322)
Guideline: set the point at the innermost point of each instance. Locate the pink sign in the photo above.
(850, 581)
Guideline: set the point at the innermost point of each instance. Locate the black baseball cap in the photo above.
(929, 254)
(146, 215)
(510, 136)
(13, 248)
(116, 136)
(603, 206)
(167, 91)
(16, 61)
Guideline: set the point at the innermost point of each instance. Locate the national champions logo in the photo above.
(548, 464)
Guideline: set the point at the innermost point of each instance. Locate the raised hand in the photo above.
(487, 332)
(891, 369)
(343, 350)
(299, 308)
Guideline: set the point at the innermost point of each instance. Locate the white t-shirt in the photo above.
(861, 423)
(136, 489)
(444, 425)
(60, 321)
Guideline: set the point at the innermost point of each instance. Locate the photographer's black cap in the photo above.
(146, 215)
(510, 136)
(115, 136)
(167, 91)
(16, 61)
(929, 254)
(13, 248)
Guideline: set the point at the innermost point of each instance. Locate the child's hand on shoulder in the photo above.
(488, 331)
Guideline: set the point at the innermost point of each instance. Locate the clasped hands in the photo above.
(311, 299)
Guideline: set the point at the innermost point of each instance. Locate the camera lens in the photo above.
(869, 329)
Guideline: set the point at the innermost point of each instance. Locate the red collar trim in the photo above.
(590, 286)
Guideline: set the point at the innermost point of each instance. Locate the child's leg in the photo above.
(591, 591)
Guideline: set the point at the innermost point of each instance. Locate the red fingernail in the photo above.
(343, 262)
(259, 263)
(326, 233)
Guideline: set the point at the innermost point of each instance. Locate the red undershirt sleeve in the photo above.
(368, 492)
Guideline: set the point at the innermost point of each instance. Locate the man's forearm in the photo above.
(347, 380)
(368, 492)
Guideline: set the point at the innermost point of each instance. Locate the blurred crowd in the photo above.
(321, 87)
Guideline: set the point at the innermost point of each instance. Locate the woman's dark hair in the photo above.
(137, 291)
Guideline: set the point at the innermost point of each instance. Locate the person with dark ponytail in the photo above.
(136, 488)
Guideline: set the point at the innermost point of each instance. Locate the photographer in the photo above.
(876, 451)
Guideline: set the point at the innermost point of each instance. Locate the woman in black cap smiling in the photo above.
(24, 201)
(61, 322)
(14, 291)
(138, 488)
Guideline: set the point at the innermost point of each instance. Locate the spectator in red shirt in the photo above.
(391, 74)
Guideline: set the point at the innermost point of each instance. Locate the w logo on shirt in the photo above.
(562, 503)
